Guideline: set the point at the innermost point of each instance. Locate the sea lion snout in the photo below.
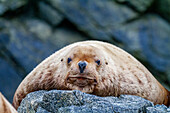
(82, 65)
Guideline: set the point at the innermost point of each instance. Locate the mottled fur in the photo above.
(118, 73)
(5, 106)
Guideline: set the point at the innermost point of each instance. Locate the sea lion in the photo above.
(5, 106)
(93, 67)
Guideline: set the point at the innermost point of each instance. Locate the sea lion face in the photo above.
(83, 64)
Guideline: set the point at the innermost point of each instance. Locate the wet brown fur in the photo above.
(118, 73)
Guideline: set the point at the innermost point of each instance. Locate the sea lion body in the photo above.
(5, 106)
(107, 71)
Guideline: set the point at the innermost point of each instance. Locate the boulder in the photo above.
(158, 109)
(61, 101)
(38, 28)
(94, 17)
(24, 46)
(150, 36)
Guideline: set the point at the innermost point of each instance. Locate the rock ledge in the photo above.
(61, 101)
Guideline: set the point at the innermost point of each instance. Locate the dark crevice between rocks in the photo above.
(51, 6)
(133, 19)
(14, 13)
(65, 23)
(139, 16)
(27, 10)
(128, 4)
(150, 10)
(48, 3)
(142, 15)
(116, 42)
(153, 9)
(37, 11)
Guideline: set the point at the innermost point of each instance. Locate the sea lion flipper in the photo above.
(5, 106)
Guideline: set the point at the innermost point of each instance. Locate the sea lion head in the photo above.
(83, 65)
(80, 66)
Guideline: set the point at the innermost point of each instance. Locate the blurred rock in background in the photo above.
(32, 30)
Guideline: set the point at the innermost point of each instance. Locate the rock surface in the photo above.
(150, 35)
(139, 5)
(31, 30)
(158, 109)
(49, 14)
(90, 16)
(6, 5)
(60, 101)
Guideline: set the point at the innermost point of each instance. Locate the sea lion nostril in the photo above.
(82, 66)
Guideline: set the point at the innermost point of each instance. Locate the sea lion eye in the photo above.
(69, 60)
(98, 62)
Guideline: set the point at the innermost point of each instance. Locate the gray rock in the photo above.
(4, 39)
(150, 36)
(39, 28)
(155, 42)
(157, 109)
(24, 47)
(20, 52)
(33, 103)
(50, 14)
(139, 5)
(3, 8)
(60, 101)
(6, 5)
(41, 110)
(94, 17)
